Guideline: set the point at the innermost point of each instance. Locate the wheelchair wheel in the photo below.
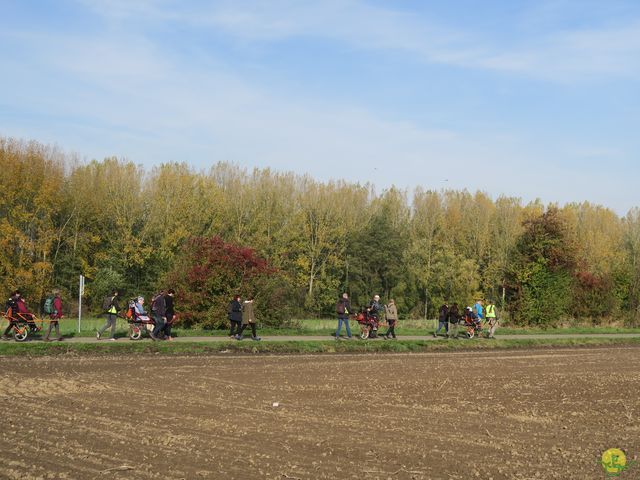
(135, 333)
(364, 334)
(20, 334)
(471, 333)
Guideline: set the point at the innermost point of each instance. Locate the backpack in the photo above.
(155, 299)
(48, 306)
(340, 308)
(130, 310)
(153, 302)
(106, 303)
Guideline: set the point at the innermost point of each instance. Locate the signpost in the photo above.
(80, 293)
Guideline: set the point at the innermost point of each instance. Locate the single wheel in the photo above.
(135, 333)
(364, 334)
(471, 333)
(20, 333)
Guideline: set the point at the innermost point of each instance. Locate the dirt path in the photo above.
(502, 415)
(290, 338)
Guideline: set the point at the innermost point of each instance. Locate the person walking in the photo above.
(169, 313)
(391, 314)
(454, 319)
(492, 319)
(235, 316)
(159, 312)
(477, 308)
(12, 313)
(54, 317)
(343, 309)
(110, 308)
(443, 320)
(248, 318)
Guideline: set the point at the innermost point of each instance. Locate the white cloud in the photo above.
(564, 55)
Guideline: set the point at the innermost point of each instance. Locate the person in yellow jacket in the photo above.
(492, 318)
(110, 309)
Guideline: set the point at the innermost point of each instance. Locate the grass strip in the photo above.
(299, 347)
(328, 326)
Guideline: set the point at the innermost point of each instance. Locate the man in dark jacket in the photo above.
(443, 319)
(12, 305)
(159, 311)
(343, 309)
(235, 316)
(170, 313)
(454, 319)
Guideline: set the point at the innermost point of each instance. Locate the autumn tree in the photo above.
(542, 270)
(31, 183)
(210, 271)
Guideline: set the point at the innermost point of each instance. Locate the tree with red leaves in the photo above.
(210, 271)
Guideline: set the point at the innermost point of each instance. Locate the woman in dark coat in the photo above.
(235, 316)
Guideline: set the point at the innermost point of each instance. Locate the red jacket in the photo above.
(22, 307)
(57, 305)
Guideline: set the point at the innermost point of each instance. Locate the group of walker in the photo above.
(368, 318)
(22, 322)
(158, 323)
(476, 320)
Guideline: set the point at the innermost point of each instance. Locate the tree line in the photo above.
(305, 241)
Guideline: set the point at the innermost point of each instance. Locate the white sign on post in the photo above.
(80, 294)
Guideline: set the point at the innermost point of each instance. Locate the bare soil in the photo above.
(525, 414)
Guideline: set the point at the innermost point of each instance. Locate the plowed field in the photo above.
(518, 414)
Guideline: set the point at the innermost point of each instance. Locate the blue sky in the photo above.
(535, 99)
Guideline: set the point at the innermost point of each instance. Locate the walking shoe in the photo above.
(238, 337)
(257, 339)
(98, 336)
(112, 339)
(153, 337)
(435, 335)
(4, 337)
(59, 339)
